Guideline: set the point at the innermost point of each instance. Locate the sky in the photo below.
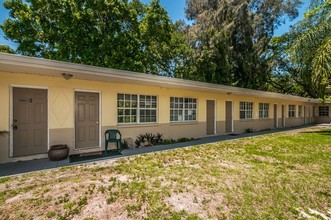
(176, 10)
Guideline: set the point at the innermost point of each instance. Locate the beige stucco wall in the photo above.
(240, 126)
(61, 109)
(323, 119)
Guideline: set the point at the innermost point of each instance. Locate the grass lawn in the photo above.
(278, 176)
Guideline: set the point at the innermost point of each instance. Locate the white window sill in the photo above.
(246, 119)
(174, 123)
(138, 125)
(264, 119)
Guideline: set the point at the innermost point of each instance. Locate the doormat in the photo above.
(95, 156)
(233, 134)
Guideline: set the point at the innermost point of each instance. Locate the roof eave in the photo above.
(40, 66)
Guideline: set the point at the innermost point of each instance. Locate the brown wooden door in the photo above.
(210, 117)
(29, 121)
(228, 117)
(310, 115)
(275, 116)
(305, 115)
(86, 120)
(283, 115)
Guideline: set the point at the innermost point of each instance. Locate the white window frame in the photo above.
(184, 107)
(300, 111)
(263, 110)
(138, 108)
(147, 103)
(247, 108)
(291, 111)
(324, 112)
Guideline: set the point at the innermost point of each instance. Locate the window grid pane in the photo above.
(263, 110)
(291, 111)
(299, 111)
(148, 108)
(323, 110)
(182, 109)
(128, 108)
(246, 110)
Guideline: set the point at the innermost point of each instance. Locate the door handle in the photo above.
(15, 127)
(97, 122)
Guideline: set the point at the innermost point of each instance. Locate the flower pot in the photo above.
(58, 152)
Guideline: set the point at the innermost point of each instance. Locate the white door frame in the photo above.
(11, 114)
(100, 115)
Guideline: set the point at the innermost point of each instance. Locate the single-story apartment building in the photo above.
(46, 102)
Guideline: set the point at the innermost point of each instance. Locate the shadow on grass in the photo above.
(323, 132)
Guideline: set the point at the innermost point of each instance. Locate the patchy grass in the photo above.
(277, 176)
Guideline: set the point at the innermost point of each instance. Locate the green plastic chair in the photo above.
(113, 136)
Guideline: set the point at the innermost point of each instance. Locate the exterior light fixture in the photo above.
(67, 76)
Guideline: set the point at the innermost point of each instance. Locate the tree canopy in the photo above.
(113, 33)
(6, 49)
(303, 54)
(231, 38)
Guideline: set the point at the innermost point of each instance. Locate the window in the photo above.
(246, 110)
(263, 110)
(323, 110)
(300, 111)
(291, 111)
(136, 108)
(183, 109)
(147, 108)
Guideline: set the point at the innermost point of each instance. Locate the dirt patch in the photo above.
(228, 165)
(265, 159)
(104, 163)
(97, 208)
(187, 202)
(200, 204)
(19, 197)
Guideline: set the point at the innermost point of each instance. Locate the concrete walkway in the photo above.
(43, 164)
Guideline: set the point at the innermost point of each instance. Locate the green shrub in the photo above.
(125, 145)
(168, 141)
(154, 139)
(184, 139)
(138, 143)
(249, 130)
